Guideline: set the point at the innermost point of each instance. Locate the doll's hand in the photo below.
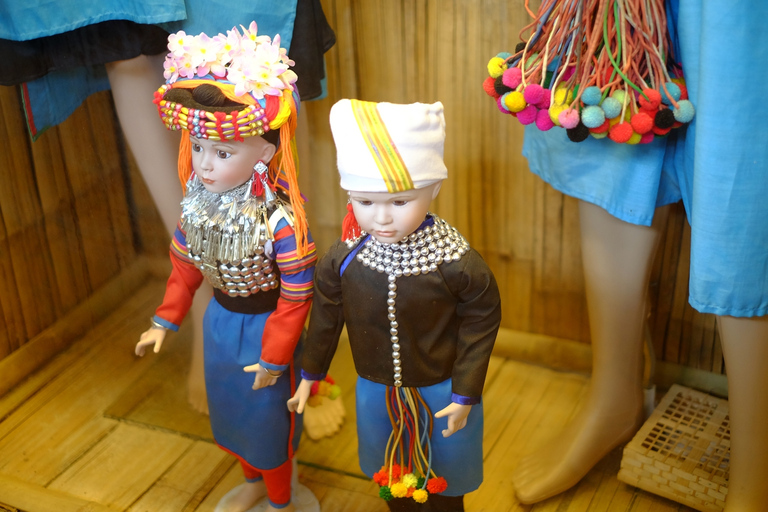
(263, 379)
(457, 417)
(299, 399)
(152, 336)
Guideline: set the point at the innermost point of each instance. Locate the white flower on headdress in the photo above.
(178, 43)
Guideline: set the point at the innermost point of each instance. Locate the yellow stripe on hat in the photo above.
(381, 146)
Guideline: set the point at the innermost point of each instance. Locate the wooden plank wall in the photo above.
(73, 210)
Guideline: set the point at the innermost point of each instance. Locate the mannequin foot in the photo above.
(242, 497)
(589, 437)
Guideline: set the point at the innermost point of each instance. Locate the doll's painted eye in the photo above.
(197, 148)
(400, 202)
(223, 154)
(363, 202)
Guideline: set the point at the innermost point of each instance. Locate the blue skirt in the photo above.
(254, 425)
(718, 166)
(458, 459)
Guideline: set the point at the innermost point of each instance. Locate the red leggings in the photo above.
(277, 480)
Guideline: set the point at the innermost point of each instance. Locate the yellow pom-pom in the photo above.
(554, 112)
(335, 392)
(515, 101)
(599, 135)
(410, 480)
(563, 95)
(635, 138)
(399, 490)
(420, 495)
(496, 67)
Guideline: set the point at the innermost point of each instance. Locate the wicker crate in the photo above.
(682, 451)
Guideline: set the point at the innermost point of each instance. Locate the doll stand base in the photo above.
(683, 451)
(302, 499)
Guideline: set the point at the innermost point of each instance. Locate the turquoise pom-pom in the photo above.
(504, 55)
(592, 116)
(684, 111)
(612, 107)
(591, 95)
(673, 89)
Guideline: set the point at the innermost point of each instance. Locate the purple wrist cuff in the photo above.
(312, 376)
(465, 400)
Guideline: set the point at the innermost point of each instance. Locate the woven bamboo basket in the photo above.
(682, 451)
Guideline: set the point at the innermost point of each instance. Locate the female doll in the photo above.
(243, 229)
(421, 307)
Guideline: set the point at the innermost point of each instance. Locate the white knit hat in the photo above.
(385, 147)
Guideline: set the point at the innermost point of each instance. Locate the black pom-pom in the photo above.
(500, 88)
(520, 46)
(664, 118)
(578, 133)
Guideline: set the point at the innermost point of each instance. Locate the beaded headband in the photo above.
(248, 69)
(600, 68)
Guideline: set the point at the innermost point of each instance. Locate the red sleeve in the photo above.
(284, 325)
(184, 281)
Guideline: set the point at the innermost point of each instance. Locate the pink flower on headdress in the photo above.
(185, 67)
(171, 72)
(178, 43)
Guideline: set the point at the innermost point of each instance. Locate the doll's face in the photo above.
(222, 165)
(391, 217)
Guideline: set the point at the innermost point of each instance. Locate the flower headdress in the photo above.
(602, 68)
(252, 73)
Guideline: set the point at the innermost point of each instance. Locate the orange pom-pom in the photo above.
(602, 128)
(381, 477)
(641, 122)
(650, 99)
(621, 132)
(436, 485)
(489, 88)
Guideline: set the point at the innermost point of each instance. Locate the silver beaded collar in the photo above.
(419, 253)
(227, 234)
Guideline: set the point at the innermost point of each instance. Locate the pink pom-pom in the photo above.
(646, 138)
(512, 77)
(653, 101)
(500, 104)
(641, 122)
(527, 115)
(545, 100)
(568, 73)
(543, 121)
(488, 87)
(534, 93)
(620, 132)
(568, 118)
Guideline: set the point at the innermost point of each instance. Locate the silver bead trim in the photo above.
(226, 237)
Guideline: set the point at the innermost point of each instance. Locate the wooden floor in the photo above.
(99, 429)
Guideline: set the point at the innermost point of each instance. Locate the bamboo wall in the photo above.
(74, 212)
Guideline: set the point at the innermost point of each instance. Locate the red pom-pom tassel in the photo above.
(350, 229)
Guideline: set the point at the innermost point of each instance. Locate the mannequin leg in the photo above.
(156, 152)
(745, 347)
(617, 260)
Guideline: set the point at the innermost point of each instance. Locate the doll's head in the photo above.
(235, 99)
(390, 159)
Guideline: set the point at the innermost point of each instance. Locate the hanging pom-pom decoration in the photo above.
(350, 229)
(606, 60)
(528, 115)
(579, 133)
(489, 86)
